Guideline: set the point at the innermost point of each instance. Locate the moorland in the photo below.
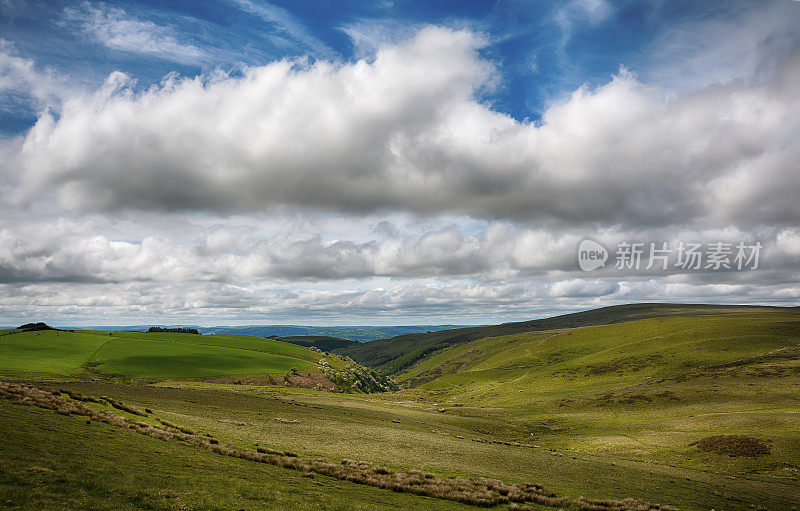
(644, 406)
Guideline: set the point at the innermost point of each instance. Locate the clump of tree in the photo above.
(177, 330)
(32, 327)
(356, 378)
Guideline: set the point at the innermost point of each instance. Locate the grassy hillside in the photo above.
(153, 356)
(55, 462)
(698, 411)
(655, 348)
(396, 431)
(649, 389)
(47, 353)
(398, 353)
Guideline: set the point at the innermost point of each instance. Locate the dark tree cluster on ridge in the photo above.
(32, 327)
(173, 330)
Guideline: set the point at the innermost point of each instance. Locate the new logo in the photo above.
(591, 255)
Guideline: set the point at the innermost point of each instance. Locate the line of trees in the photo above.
(173, 330)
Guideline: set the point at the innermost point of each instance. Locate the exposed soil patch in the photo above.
(734, 445)
(310, 381)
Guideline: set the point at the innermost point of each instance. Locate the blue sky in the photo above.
(543, 49)
(390, 162)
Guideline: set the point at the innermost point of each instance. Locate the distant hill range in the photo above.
(323, 342)
(351, 333)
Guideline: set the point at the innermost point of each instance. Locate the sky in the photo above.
(393, 162)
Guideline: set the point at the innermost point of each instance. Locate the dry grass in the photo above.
(265, 450)
(177, 427)
(80, 397)
(119, 405)
(478, 492)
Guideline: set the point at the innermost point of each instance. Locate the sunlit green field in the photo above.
(48, 352)
(137, 355)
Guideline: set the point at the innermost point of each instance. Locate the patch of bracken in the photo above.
(734, 445)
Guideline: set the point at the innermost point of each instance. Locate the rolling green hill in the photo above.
(398, 353)
(657, 348)
(153, 356)
(651, 388)
(47, 353)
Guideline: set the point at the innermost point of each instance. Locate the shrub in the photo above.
(79, 397)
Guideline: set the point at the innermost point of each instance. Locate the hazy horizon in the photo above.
(333, 324)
